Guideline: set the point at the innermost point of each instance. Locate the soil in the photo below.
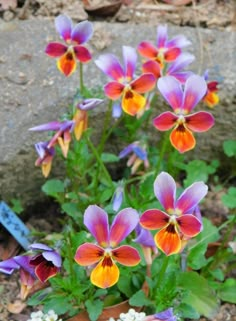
(215, 14)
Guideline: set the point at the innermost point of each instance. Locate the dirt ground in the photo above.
(215, 14)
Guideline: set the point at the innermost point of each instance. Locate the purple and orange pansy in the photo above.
(104, 255)
(124, 84)
(178, 221)
(45, 157)
(211, 98)
(183, 101)
(74, 49)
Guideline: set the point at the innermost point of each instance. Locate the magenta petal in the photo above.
(189, 225)
(111, 66)
(54, 125)
(82, 32)
(165, 121)
(130, 61)
(165, 189)
(148, 50)
(154, 219)
(182, 76)
(123, 224)
(113, 89)
(96, 221)
(200, 121)
(190, 198)
(64, 26)
(181, 62)
(171, 90)
(82, 53)
(126, 255)
(161, 36)
(195, 89)
(56, 49)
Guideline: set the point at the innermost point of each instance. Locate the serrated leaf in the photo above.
(60, 304)
(94, 309)
(198, 170)
(229, 199)
(196, 257)
(139, 299)
(227, 291)
(53, 187)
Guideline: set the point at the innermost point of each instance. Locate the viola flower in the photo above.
(106, 252)
(47, 262)
(166, 315)
(183, 101)
(62, 135)
(118, 197)
(163, 52)
(124, 85)
(45, 157)
(138, 156)
(74, 38)
(211, 98)
(81, 116)
(145, 239)
(27, 275)
(179, 220)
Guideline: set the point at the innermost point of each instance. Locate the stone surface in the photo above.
(33, 91)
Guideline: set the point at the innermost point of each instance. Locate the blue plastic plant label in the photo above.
(14, 225)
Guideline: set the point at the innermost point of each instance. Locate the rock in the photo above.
(33, 91)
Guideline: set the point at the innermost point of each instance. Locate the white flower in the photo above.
(132, 315)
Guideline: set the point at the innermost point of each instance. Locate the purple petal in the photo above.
(206, 74)
(54, 125)
(171, 90)
(116, 110)
(126, 151)
(165, 189)
(24, 262)
(130, 61)
(82, 32)
(178, 42)
(182, 76)
(8, 266)
(42, 150)
(40, 247)
(67, 125)
(110, 65)
(64, 26)
(117, 198)
(144, 237)
(123, 224)
(140, 152)
(166, 315)
(190, 198)
(181, 62)
(195, 89)
(89, 103)
(96, 221)
(161, 36)
(53, 257)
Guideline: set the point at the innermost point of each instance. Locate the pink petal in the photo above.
(54, 125)
(172, 54)
(88, 254)
(152, 66)
(181, 76)
(96, 221)
(82, 53)
(110, 65)
(113, 90)
(55, 49)
(171, 90)
(130, 61)
(82, 32)
(189, 225)
(148, 50)
(126, 255)
(165, 121)
(200, 121)
(123, 224)
(190, 198)
(181, 62)
(161, 36)
(165, 189)
(179, 42)
(144, 83)
(195, 89)
(64, 26)
(154, 219)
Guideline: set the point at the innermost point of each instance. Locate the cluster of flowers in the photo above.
(132, 315)
(40, 316)
(163, 69)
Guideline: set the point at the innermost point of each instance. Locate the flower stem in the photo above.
(162, 153)
(105, 127)
(81, 80)
(163, 270)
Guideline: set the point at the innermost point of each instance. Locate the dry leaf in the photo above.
(16, 307)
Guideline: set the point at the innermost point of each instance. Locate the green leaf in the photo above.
(196, 257)
(71, 209)
(52, 187)
(198, 294)
(109, 158)
(16, 206)
(187, 311)
(218, 274)
(198, 170)
(124, 285)
(229, 199)
(60, 304)
(227, 291)
(139, 299)
(229, 147)
(94, 309)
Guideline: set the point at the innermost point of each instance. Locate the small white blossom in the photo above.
(40, 316)
(131, 315)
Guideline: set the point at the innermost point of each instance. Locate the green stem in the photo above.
(100, 163)
(71, 258)
(105, 127)
(162, 270)
(162, 152)
(81, 81)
